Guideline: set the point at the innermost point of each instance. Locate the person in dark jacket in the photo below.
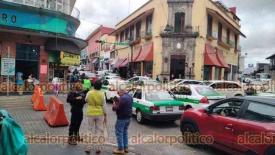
(76, 98)
(123, 108)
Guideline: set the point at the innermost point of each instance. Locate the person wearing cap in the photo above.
(123, 108)
(96, 112)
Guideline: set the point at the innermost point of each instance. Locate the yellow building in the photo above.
(194, 39)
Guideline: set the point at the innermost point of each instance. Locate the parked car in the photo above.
(177, 82)
(137, 78)
(147, 82)
(227, 88)
(110, 87)
(196, 95)
(238, 125)
(155, 106)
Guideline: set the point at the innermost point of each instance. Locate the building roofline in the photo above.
(270, 57)
(97, 30)
(227, 11)
(133, 12)
(221, 16)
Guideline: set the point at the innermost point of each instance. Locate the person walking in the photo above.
(86, 84)
(76, 98)
(96, 113)
(123, 110)
(56, 83)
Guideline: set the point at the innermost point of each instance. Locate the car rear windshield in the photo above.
(158, 96)
(206, 91)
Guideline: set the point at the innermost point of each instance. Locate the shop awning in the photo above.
(210, 56)
(146, 53)
(221, 59)
(124, 63)
(119, 62)
(136, 53)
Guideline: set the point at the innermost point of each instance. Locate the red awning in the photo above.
(146, 53)
(210, 56)
(119, 62)
(221, 59)
(136, 53)
(124, 63)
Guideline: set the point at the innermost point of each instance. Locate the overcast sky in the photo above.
(257, 21)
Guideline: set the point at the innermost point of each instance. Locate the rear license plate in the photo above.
(169, 109)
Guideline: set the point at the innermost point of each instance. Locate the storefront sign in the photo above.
(40, 21)
(7, 66)
(68, 59)
(43, 69)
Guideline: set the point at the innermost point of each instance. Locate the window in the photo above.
(217, 73)
(232, 86)
(207, 73)
(122, 36)
(138, 94)
(260, 112)
(158, 96)
(181, 90)
(149, 25)
(220, 31)
(236, 41)
(228, 36)
(179, 22)
(132, 32)
(209, 25)
(27, 52)
(127, 34)
(229, 108)
(138, 27)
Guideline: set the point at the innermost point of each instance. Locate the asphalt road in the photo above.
(33, 123)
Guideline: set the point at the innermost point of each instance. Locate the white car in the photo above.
(196, 95)
(137, 78)
(111, 85)
(227, 88)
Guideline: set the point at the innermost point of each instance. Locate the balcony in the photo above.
(225, 43)
(189, 31)
(58, 6)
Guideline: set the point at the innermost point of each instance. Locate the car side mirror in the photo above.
(208, 111)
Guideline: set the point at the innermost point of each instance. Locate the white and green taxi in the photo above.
(196, 95)
(155, 105)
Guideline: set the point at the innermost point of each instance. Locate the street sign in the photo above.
(8, 66)
(122, 43)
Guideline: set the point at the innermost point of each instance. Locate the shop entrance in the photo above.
(177, 66)
(27, 60)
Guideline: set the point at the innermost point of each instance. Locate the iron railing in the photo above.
(54, 5)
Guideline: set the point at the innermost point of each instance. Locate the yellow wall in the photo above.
(199, 20)
(159, 22)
